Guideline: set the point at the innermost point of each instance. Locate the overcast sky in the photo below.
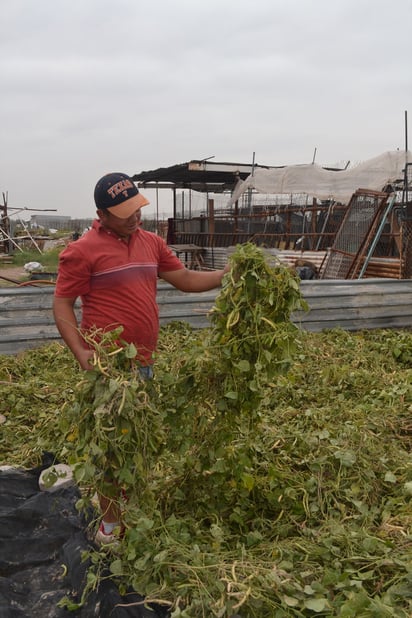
(92, 86)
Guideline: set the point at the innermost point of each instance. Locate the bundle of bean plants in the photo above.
(267, 470)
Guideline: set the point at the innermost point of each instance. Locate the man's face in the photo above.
(121, 227)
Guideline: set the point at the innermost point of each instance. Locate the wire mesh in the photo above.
(407, 249)
(298, 222)
(354, 234)
(406, 224)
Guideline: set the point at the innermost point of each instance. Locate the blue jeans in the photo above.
(146, 372)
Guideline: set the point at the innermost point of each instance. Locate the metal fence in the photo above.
(26, 319)
(311, 227)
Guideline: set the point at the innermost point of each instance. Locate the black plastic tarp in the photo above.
(42, 537)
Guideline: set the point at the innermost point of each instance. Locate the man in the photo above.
(114, 269)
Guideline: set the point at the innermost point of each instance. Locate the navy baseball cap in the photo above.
(117, 193)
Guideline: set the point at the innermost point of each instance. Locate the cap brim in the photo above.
(129, 207)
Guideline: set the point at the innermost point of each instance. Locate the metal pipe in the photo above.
(406, 160)
(376, 237)
(250, 194)
(157, 209)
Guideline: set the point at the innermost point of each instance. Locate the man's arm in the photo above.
(187, 280)
(66, 322)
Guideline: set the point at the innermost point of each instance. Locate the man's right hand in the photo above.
(84, 358)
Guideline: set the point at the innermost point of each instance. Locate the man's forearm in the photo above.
(195, 280)
(66, 323)
(201, 281)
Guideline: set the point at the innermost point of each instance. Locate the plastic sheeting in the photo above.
(323, 184)
(42, 535)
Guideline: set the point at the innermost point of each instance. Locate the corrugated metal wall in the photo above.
(26, 319)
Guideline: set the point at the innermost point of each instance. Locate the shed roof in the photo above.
(199, 175)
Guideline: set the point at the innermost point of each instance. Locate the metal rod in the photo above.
(314, 156)
(250, 193)
(406, 159)
(376, 237)
(11, 240)
(30, 236)
(18, 282)
(157, 209)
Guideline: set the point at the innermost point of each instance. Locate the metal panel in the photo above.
(26, 319)
(355, 235)
(356, 305)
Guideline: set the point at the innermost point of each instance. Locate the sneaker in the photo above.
(101, 538)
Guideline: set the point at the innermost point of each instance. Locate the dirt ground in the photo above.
(16, 274)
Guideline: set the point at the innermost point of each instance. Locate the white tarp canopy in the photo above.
(314, 180)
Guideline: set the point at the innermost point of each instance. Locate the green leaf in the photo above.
(354, 605)
(253, 538)
(248, 481)
(346, 458)
(316, 605)
(126, 476)
(113, 386)
(390, 477)
(253, 386)
(243, 366)
(116, 567)
(231, 395)
(408, 488)
(145, 523)
(291, 601)
(68, 604)
(216, 532)
(131, 351)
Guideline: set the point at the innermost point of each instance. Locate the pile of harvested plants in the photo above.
(267, 470)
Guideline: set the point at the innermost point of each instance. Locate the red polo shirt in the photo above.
(117, 282)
